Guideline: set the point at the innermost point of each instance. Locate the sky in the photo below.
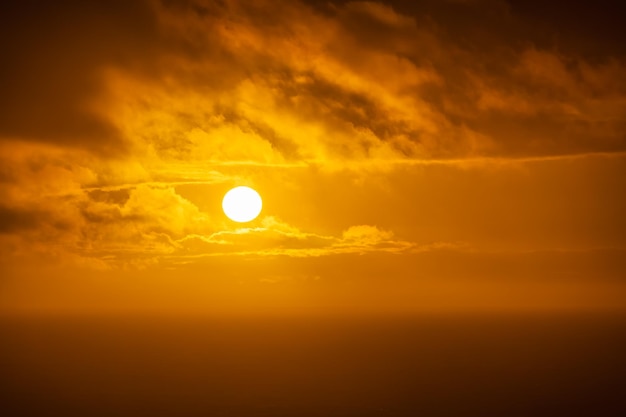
(413, 157)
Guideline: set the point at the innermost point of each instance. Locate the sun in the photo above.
(242, 204)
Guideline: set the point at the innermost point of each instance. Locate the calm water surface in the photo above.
(306, 367)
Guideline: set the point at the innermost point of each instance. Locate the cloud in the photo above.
(276, 238)
(53, 55)
(130, 225)
(412, 91)
(12, 220)
(556, 202)
(110, 109)
(354, 80)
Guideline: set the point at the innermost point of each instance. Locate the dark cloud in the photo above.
(53, 55)
(14, 220)
(488, 77)
(594, 30)
(492, 76)
(111, 197)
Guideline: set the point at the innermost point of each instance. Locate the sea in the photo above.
(506, 365)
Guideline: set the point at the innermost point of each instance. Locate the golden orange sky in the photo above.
(434, 156)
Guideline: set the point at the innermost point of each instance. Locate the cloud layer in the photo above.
(370, 128)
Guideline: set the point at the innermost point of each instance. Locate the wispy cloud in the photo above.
(276, 238)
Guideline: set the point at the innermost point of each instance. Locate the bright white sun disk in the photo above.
(242, 204)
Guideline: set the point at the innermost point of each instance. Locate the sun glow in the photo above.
(242, 204)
